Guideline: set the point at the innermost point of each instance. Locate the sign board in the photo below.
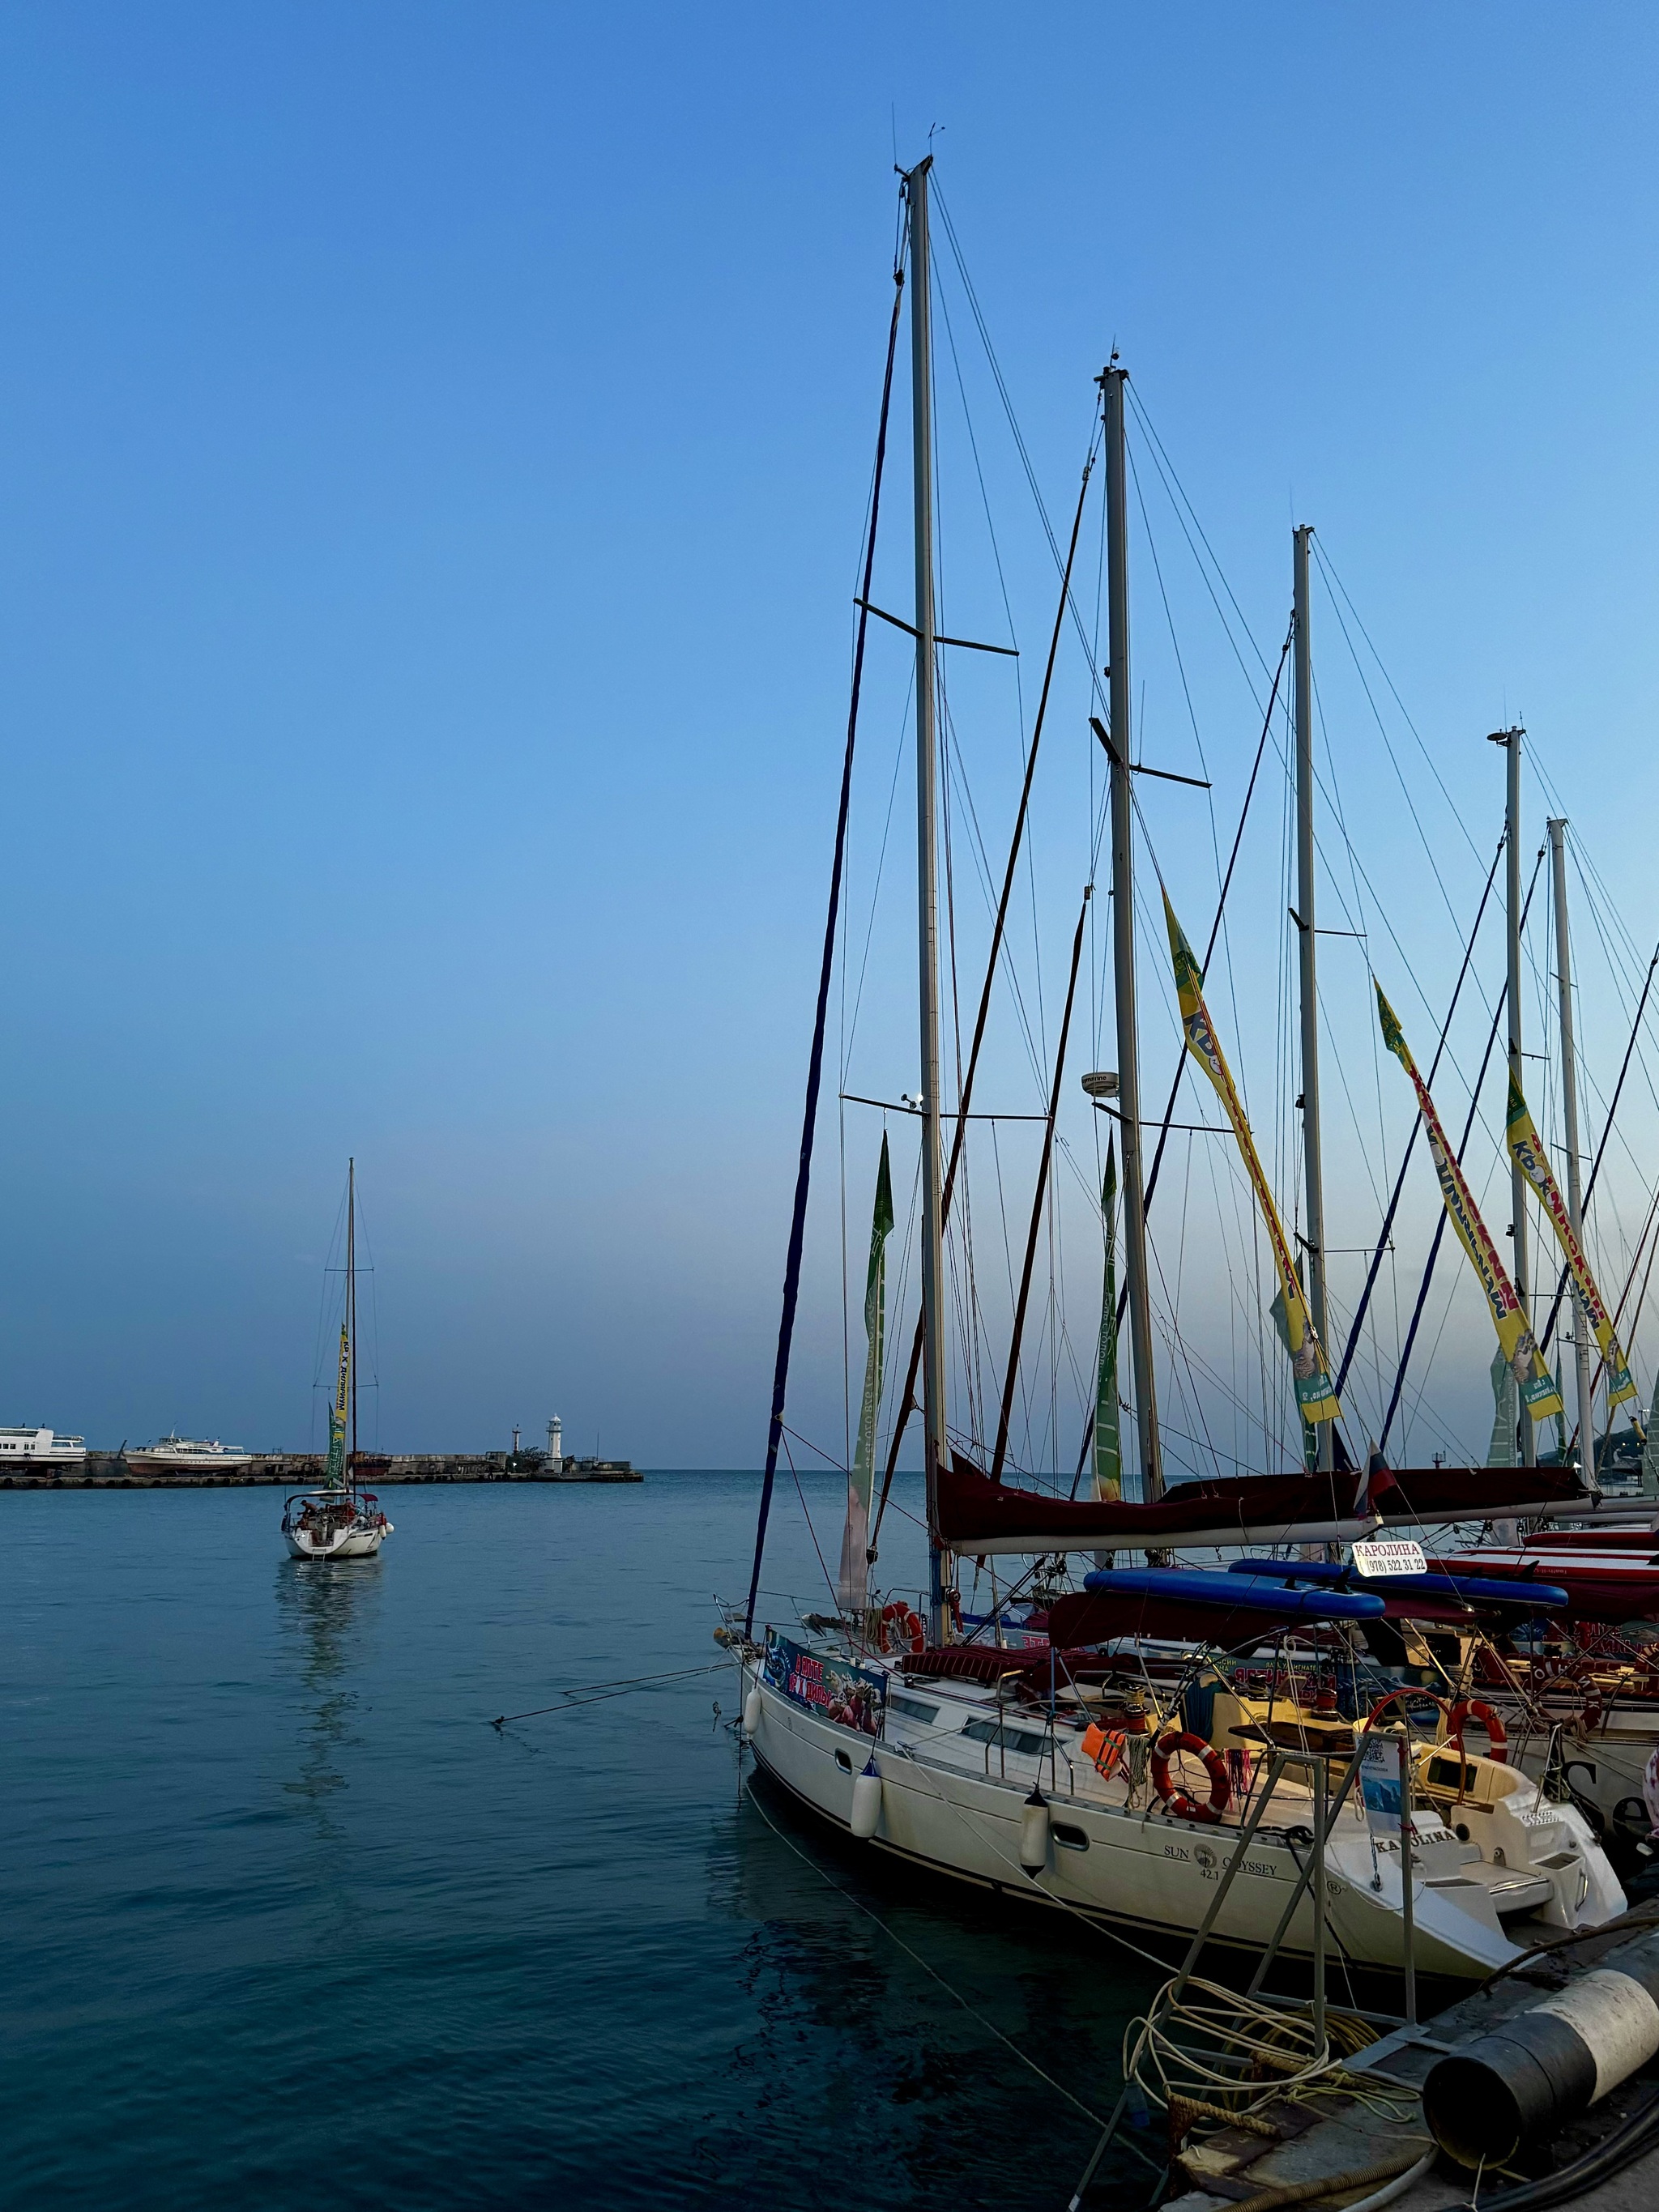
(833, 1689)
(1390, 1555)
(1379, 1783)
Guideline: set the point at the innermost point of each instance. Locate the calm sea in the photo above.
(288, 1922)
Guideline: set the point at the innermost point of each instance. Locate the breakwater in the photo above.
(304, 1470)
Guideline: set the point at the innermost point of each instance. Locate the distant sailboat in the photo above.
(339, 1521)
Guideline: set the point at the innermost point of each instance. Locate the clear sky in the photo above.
(435, 443)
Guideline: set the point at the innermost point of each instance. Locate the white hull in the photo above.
(20, 1448)
(1138, 1868)
(349, 1544)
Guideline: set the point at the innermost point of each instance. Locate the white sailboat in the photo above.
(1096, 1788)
(339, 1521)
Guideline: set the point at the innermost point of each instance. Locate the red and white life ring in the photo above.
(1467, 1709)
(1176, 1799)
(901, 1628)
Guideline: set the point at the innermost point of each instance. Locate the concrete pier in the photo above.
(304, 1471)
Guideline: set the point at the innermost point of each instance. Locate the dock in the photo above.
(304, 1471)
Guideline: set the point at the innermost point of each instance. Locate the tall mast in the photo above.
(351, 1300)
(1581, 1335)
(1511, 740)
(1112, 381)
(932, 1257)
(1313, 1172)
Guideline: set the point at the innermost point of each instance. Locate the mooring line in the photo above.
(974, 2009)
(595, 1694)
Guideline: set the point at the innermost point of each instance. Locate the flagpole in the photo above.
(932, 1239)
(1570, 1118)
(1112, 382)
(1519, 1274)
(1313, 1173)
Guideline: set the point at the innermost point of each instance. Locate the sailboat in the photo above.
(341, 1521)
(1158, 1749)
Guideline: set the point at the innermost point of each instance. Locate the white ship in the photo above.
(39, 1448)
(177, 1454)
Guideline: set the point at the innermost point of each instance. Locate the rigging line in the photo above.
(1215, 929)
(973, 2010)
(1387, 1230)
(906, 1401)
(1405, 788)
(1440, 1226)
(1600, 1149)
(1324, 561)
(814, 1063)
(829, 1580)
(1011, 1378)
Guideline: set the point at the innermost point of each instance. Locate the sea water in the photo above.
(288, 1922)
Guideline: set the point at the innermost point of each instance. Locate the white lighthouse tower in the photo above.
(555, 1445)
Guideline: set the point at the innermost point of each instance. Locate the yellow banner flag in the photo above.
(1515, 1337)
(1314, 1391)
(1527, 1151)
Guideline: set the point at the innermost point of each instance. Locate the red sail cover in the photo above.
(1472, 1493)
(979, 1517)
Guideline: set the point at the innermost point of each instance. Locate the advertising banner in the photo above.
(835, 1689)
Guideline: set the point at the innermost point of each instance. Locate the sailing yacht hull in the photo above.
(1135, 1868)
(351, 1544)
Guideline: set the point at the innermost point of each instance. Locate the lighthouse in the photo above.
(555, 1445)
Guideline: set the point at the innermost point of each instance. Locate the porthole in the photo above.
(843, 1762)
(1068, 1838)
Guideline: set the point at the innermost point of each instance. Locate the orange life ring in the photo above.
(901, 1628)
(1177, 1801)
(1106, 1747)
(1476, 1709)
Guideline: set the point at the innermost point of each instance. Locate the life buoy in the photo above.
(1467, 1709)
(1106, 1747)
(901, 1628)
(1177, 1801)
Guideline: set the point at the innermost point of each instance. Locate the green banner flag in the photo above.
(853, 1585)
(1538, 1393)
(1314, 1392)
(335, 1477)
(1527, 1151)
(1109, 1437)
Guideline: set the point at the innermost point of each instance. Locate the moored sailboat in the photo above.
(341, 1521)
(1061, 1766)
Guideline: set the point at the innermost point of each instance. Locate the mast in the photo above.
(1313, 1173)
(932, 1253)
(1112, 381)
(1581, 1335)
(351, 1302)
(1519, 1274)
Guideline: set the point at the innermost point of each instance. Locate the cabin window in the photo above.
(1028, 1741)
(843, 1762)
(1068, 1838)
(1451, 1774)
(912, 1708)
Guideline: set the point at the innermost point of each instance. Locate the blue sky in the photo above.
(435, 442)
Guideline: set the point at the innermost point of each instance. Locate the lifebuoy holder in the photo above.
(1177, 1802)
(902, 1628)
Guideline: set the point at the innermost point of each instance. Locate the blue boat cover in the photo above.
(1201, 1586)
(1472, 1589)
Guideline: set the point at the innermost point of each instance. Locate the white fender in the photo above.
(752, 1711)
(866, 1802)
(1034, 1833)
